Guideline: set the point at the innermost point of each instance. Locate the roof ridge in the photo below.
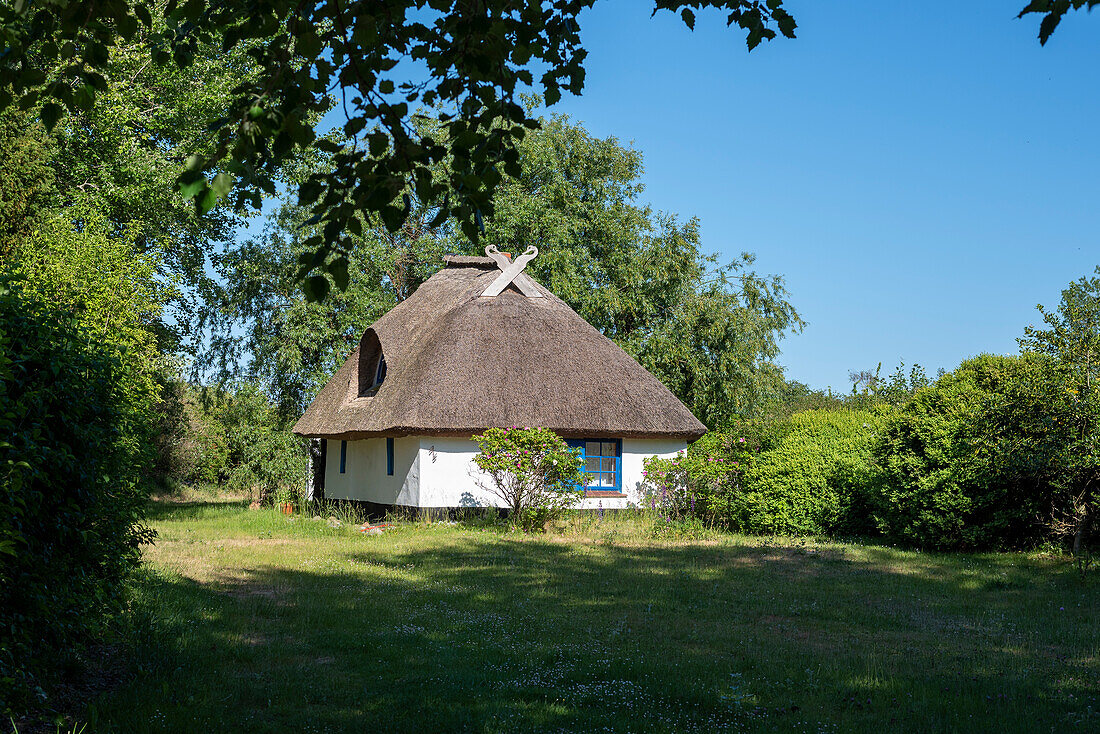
(469, 261)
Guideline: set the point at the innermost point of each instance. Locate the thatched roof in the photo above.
(458, 363)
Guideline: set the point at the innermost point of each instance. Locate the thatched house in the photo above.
(474, 348)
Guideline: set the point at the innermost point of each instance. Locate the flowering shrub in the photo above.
(532, 470)
(697, 482)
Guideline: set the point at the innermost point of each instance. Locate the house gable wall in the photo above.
(365, 478)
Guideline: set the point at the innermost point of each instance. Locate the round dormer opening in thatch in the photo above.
(480, 345)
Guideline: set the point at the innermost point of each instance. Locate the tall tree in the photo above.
(118, 160)
(1073, 333)
(1072, 339)
(260, 326)
(122, 154)
(709, 330)
(26, 177)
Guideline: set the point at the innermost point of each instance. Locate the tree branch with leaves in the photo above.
(468, 59)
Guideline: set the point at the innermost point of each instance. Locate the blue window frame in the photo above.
(603, 462)
(389, 456)
(343, 456)
(379, 372)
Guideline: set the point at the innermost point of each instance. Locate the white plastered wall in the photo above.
(449, 477)
(365, 477)
(635, 450)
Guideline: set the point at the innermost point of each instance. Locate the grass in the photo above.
(269, 624)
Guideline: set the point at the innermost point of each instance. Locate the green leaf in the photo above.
(96, 81)
(207, 201)
(51, 113)
(354, 126)
(315, 287)
(309, 260)
(338, 269)
(688, 18)
(84, 97)
(308, 45)
(189, 189)
(378, 143)
(1047, 26)
(308, 192)
(127, 25)
(222, 184)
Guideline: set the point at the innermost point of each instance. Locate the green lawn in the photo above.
(272, 624)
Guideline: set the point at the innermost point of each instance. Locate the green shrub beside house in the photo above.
(810, 474)
(815, 479)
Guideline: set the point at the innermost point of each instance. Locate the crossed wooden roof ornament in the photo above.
(512, 272)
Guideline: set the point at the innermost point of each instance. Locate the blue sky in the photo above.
(921, 179)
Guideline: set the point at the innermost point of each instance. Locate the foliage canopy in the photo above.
(376, 60)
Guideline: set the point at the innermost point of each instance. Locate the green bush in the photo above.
(978, 460)
(807, 474)
(814, 478)
(75, 414)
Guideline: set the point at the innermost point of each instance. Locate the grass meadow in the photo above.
(276, 624)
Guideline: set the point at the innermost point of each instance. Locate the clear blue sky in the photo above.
(921, 177)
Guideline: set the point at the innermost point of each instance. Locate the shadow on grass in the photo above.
(480, 632)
